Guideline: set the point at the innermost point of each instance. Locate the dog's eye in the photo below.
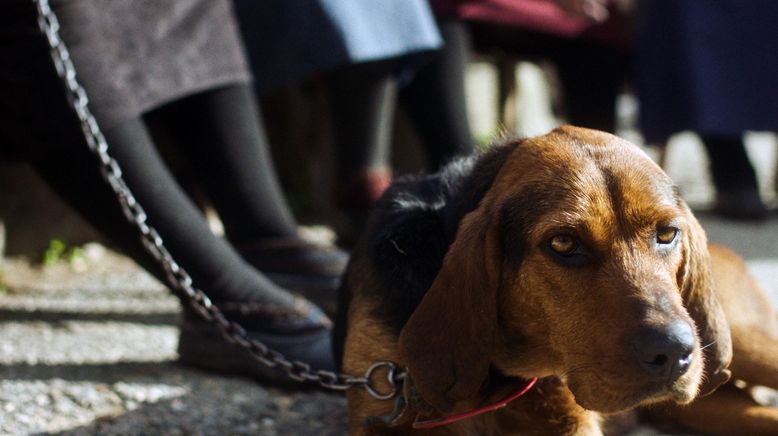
(563, 244)
(666, 235)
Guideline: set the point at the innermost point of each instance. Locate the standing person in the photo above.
(708, 67)
(368, 52)
(586, 40)
(179, 64)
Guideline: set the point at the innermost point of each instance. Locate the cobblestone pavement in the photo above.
(93, 352)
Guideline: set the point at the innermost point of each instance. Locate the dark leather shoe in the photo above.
(302, 333)
(313, 270)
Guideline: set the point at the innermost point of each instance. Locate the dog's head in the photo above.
(580, 261)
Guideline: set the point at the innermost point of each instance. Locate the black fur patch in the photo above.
(415, 222)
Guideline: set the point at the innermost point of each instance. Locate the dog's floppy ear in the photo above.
(703, 306)
(447, 342)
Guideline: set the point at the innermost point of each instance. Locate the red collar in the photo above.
(520, 391)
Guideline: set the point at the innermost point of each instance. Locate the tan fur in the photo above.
(549, 408)
(729, 411)
(754, 327)
(367, 342)
(752, 320)
(569, 326)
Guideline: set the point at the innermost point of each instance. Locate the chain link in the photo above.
(177, 277)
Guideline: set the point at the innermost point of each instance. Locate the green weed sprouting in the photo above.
(59, 250)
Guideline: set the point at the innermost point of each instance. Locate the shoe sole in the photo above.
(202, 346)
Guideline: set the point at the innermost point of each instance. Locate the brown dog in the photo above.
(570, 258)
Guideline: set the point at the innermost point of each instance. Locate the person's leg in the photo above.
(591, 75)
(220, 133)
(435, 97)
(363, 101)
(213, 264)
(737, 189)
(287, 323)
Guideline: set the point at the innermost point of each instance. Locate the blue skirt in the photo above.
(288, 40)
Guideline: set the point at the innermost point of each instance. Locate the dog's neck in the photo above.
(549, 405)
(522, 389)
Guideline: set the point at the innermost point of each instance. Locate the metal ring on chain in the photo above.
(391, 376)
(177, 277)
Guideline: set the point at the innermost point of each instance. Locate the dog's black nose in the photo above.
(666, 350)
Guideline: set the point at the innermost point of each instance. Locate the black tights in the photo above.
(218, 131)
(220, 134)
(435, 97)
(364, 97)
(363, 102)
(729, 163)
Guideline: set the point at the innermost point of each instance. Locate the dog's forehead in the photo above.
(585, 175)
(582, 154)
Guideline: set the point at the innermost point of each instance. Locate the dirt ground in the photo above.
(92, 350)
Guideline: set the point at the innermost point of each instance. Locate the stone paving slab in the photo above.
(93, 352)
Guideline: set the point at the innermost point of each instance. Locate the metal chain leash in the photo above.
(152, 241)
